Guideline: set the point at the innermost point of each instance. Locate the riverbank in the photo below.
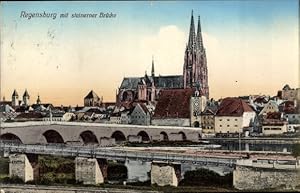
(16, 188)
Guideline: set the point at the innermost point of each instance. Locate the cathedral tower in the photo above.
(195, 64)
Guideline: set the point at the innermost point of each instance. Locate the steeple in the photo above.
(38, 101)
(199, 36)
(152, 69)
(192, 35)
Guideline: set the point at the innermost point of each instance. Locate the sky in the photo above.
(252, 46)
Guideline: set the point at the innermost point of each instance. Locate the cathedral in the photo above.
(147, 87)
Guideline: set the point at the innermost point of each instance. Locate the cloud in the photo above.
(167, 46)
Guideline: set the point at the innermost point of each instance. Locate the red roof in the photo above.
(273, 115)
(274, 118)
(173, 103)
(233, 107)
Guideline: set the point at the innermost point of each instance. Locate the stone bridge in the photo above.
(65, 132)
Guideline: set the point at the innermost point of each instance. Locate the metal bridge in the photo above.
(117, 153)
(174, 155)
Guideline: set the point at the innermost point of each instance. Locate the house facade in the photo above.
(233, 115)
(140, 115)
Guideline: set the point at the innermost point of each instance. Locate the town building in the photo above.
(274, 124)
(208, 119)
(140, 115)
(92, 99)
(287, 93)
(233, 115)
(270, 107)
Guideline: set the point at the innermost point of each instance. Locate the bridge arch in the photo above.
(53, 136)
(88, 137)
(119, 136)
(164, 136)
(144, 135)
(10, 136)
(183, 136)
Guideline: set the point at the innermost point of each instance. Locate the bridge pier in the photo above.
(165, 174)
(87, 171)
(20, 166)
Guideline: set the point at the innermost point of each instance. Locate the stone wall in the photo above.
(20, 166)
(253, 178)
(163, 175)
(87, 170)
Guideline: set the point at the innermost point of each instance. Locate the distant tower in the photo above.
(15, 99)
(38, 100)
(195, 64)
(26, 98)
(152, 69)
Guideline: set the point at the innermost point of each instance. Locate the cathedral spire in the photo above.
(152, 69)
(199, 35)
(192, 35)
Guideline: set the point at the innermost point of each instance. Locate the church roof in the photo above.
(130, 83)
(164, 82)
(91, 95)
(173, 103)
(233, 107)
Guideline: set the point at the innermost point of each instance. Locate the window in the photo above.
(235, 119)
(220, 119)
(227, 125)
(220, 125)
(266, 129)
(235, 125)
(227, 119)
